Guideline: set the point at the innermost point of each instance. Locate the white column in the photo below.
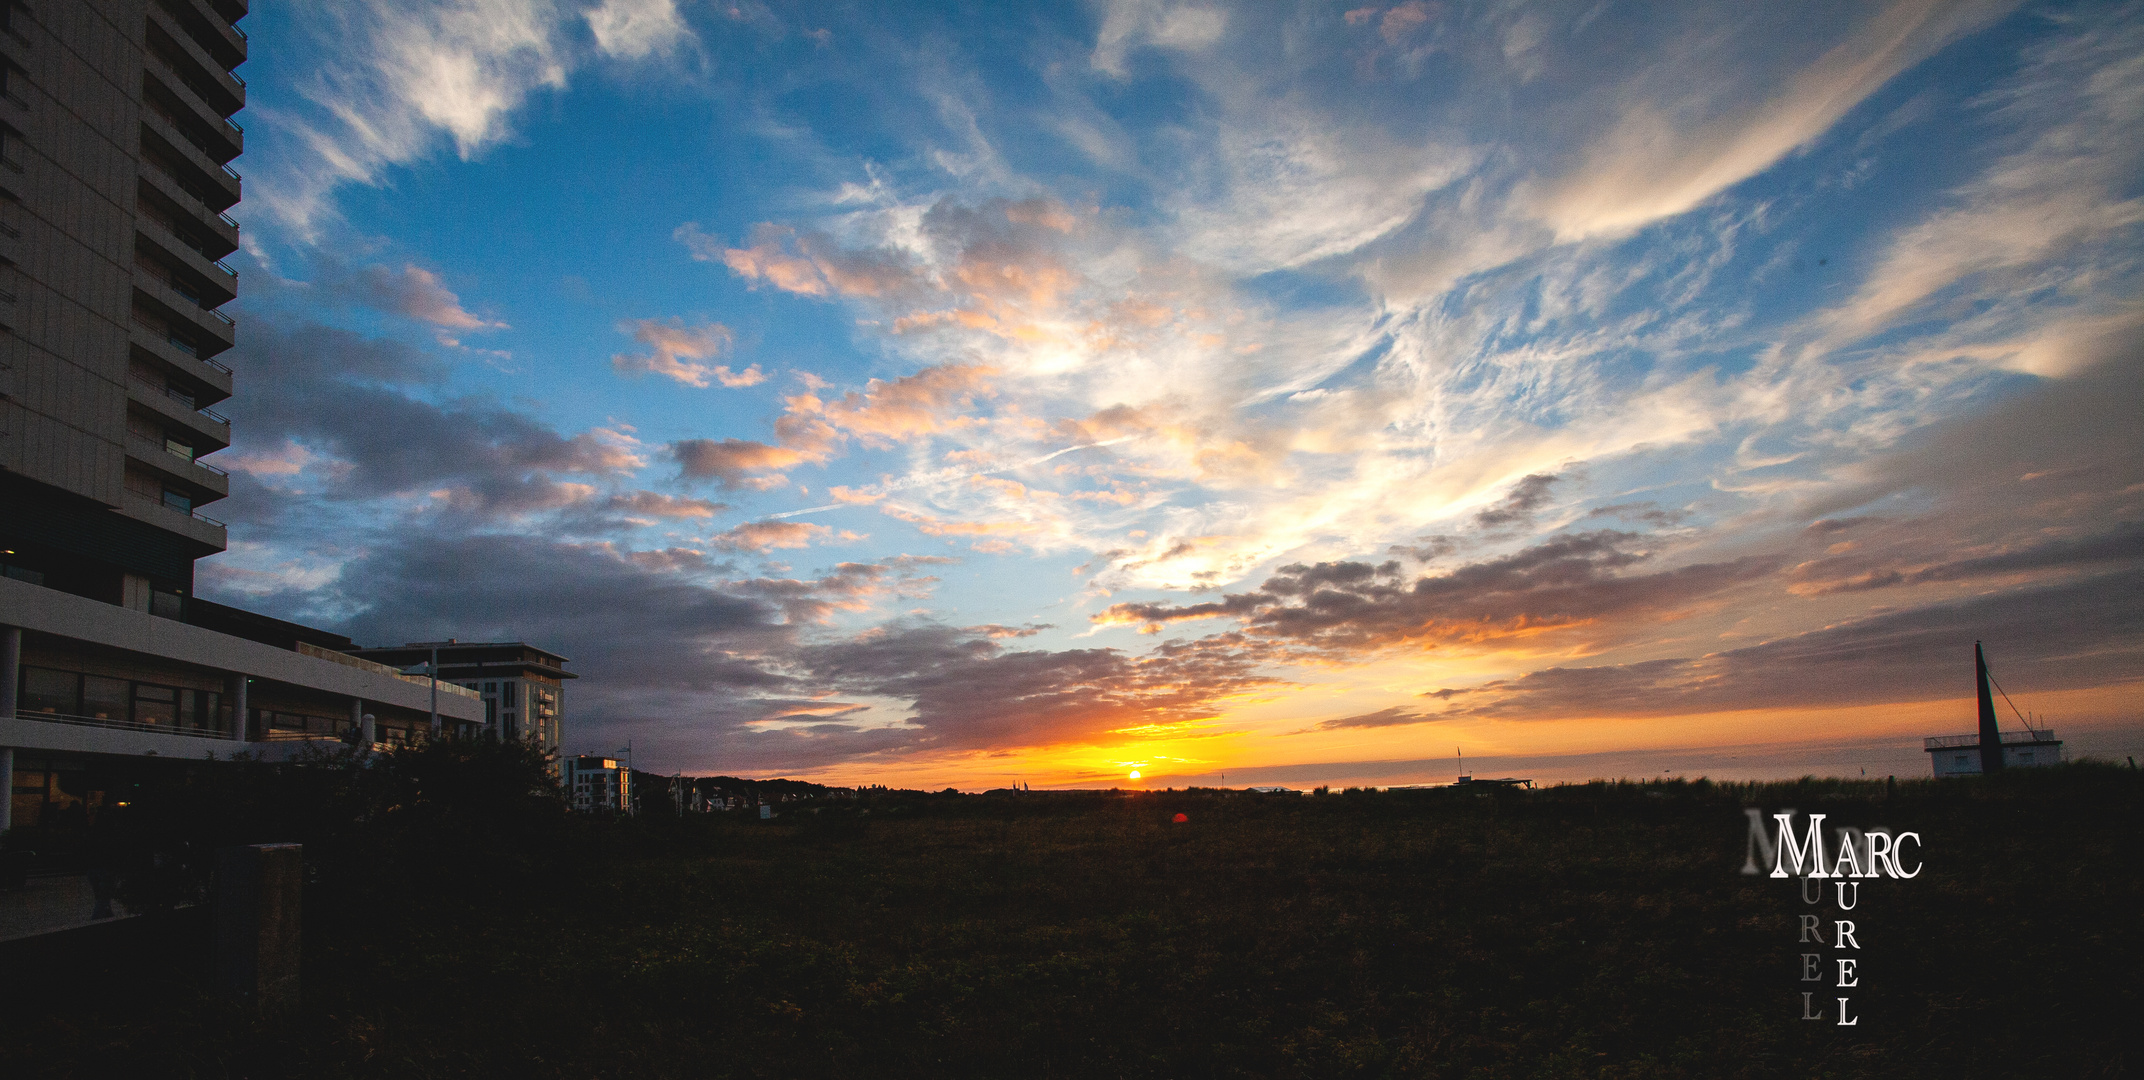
(237, 695)
(10, 678)
(10, 668)
(7, 788)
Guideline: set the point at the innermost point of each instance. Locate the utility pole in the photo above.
(435, 691)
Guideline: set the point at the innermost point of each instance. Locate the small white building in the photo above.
(1959, 755)
(596, 784)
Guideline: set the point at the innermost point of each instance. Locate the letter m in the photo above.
(1809, 853)
(1760, 843)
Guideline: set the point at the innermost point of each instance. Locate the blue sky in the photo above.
(938, 394)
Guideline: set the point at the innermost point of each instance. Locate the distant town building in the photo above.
(1959, 755)
(523, 687)
(597, 785)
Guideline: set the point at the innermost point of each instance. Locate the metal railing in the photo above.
(209, 467)
(187, 400)
(199, 516)
(124, 725)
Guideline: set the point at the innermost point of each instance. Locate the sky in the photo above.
(1147, 394)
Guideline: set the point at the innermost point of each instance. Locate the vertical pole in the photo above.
(259, 894)
(1991, 740)
(357, 718)
(239, 726)
(10, 678)
(435, 690)
(7, 788)
(10, 669)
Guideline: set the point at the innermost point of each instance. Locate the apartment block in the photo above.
(116, 143)
(523, 687)
(597, 785)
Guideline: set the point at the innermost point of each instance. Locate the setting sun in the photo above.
(1135, 774)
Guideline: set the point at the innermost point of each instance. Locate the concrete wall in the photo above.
(48, 611)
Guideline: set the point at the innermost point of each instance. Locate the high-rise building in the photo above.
(115, 151)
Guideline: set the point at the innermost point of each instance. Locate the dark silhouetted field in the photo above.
(1587, 931)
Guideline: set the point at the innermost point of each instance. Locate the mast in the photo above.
(1991, 740)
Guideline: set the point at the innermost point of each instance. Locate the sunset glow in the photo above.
(1209, 394)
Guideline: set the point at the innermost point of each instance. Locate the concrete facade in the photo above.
(597, 785)
(115, 150)
(523, 687)
(149, 661)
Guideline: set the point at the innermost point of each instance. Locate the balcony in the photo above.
(220, 37)
(155, 344)
(211, 431)
(158, 188)
(173, 728)
(214, 83)
(211, 332)
(197, 527)
(215, 184)
(204, 482)
(219, 280)
(164, 93)
(216, 138)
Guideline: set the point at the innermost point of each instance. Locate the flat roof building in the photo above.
(523, 687)
(597, 785)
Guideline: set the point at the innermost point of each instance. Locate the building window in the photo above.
(176, 501)
(48, 691)
(1962, 759)
(155, 704)
(103, 698)
(506, 691)
(165, 604)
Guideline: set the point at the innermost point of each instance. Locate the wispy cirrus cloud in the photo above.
(633, 29)
(396, 80)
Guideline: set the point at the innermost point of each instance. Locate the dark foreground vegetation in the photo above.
(458, 923)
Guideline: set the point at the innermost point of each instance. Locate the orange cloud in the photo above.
(808, 264)
(734, 462)
(760, 537)
(887, 412)
(677, 352)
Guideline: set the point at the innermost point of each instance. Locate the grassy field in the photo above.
(1583, 931)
